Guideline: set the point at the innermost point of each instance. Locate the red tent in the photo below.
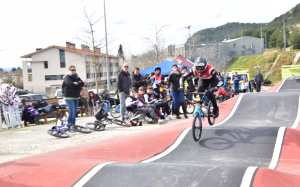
(183, 61)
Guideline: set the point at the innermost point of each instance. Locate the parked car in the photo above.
(38, 101)
(59, 95)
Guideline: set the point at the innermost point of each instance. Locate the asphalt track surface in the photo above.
(291, 85)
(224, 153)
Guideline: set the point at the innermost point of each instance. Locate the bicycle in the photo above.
(103, 119)
(114, 110)
(61, 127)
(203, 108)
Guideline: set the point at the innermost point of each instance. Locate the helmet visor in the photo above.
(200, 68)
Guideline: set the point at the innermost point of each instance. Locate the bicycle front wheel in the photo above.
(197, 128)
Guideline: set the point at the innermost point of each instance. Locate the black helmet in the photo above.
(200, 63)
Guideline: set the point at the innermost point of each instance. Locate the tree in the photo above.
(91, 42)
(13, 69)
(156, 43)
(276, 39)
(295, 40)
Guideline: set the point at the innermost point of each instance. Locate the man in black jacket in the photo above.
(71, 88)
(124, 85)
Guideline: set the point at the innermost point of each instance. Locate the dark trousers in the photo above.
(258, 86)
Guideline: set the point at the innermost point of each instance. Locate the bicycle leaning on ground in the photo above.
(204, 108)
(103, 118)
(61, 128)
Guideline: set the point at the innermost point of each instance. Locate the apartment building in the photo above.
(44, 69)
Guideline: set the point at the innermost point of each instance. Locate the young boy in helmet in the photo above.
(207, 78)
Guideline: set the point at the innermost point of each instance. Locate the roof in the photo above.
(235, 39)
(85, 52)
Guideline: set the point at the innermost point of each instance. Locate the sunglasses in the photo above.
(125, 66)
(73, 70)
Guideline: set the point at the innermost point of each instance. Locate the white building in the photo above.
(221, 53)
(44, 69)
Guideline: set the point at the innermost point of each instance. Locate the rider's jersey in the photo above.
(206, 74)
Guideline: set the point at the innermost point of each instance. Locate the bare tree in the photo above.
(91, 22)
(157, 43)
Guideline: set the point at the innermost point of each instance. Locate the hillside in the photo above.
(231, 30)
(265, 62)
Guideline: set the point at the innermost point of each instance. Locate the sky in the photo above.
(27, 25)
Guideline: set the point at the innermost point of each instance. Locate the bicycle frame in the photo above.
(198, 107)
(198, 111)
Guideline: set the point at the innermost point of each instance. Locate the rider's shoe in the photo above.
(186, 116)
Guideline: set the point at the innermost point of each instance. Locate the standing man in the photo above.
(71, 88)
(236, 83)
(177, 93)
(124, 84)
(258, 79)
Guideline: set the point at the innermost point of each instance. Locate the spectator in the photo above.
(177, 93)
(124, 85)
(84, 97)
(158, 80)
(93, 102)
(189, 86)
(136, 102)
(236, 83)
(258, 79)
(137, 79)
(71, 88)
(159, 105)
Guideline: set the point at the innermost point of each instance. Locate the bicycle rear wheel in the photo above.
(120, 123)
(210, 114)
(58, 134)
(197, 128)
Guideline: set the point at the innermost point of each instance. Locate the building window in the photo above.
(46, 64)
(29, 68)
(54, 77)
(62, 58)
(29, 77)
(29, 71)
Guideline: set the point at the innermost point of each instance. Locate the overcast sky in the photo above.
(30, 24)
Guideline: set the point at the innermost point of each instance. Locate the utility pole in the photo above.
(106, 55)
(284, 35)
(262, 38)
(190, 47)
